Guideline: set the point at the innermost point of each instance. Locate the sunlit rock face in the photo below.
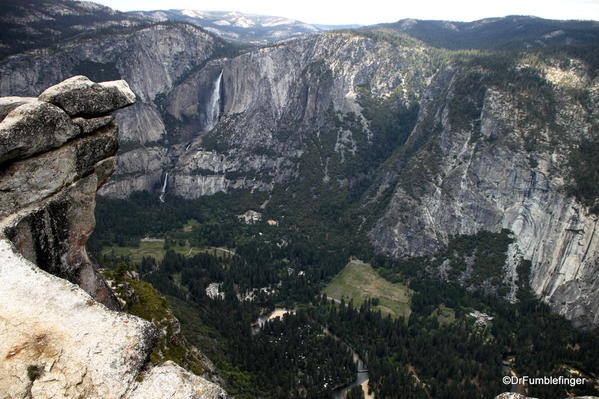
(60, 337)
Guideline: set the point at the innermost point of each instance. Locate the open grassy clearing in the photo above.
(358, 281)
(444, 315)
(190, 225)
(156, 250)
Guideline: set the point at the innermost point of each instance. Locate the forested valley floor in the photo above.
(420, 337)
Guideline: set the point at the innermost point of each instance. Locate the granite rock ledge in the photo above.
(62, 335)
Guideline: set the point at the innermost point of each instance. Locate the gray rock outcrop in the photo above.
(60, 337)
(80, 96)
(22, 128)
(7, 104)
(168, 377)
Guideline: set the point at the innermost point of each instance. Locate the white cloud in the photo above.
(376, 11)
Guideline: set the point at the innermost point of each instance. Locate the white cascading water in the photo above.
(163, 191)
(213, 108)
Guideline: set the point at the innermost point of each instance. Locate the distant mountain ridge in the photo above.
(29, 24)
(238, 26)
(506, 33)
(500, 33)
(55, 22)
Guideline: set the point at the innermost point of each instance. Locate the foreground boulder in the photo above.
(80, 96)
(58, 342)
(62, 333)
(32, 128)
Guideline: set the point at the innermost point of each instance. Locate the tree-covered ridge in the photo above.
(508, 33)
(35, 24)
(476, 262)
(583, 176)
(54, 21)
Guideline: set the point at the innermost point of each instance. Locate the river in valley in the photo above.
(275, 314)
(361, 368)
(361, 379)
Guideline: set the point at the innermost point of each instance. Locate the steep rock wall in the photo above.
(502, 169)
(59, 337)
(276, 101)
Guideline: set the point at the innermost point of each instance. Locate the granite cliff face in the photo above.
(275, 103)
(503, 168)
(60, 337)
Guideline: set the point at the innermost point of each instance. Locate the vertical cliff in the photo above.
(280, 105)
(489, 152)
(59, 336)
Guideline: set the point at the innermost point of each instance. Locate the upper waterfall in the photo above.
(213, 106)
(163, 191)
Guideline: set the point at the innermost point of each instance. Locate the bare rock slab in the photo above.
(7, 104)
(178, 383)
(58, 342)
(32, 128)
(79, 96)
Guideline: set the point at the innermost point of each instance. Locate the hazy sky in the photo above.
(376, 11)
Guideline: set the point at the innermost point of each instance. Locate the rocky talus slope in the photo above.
(59, 336)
